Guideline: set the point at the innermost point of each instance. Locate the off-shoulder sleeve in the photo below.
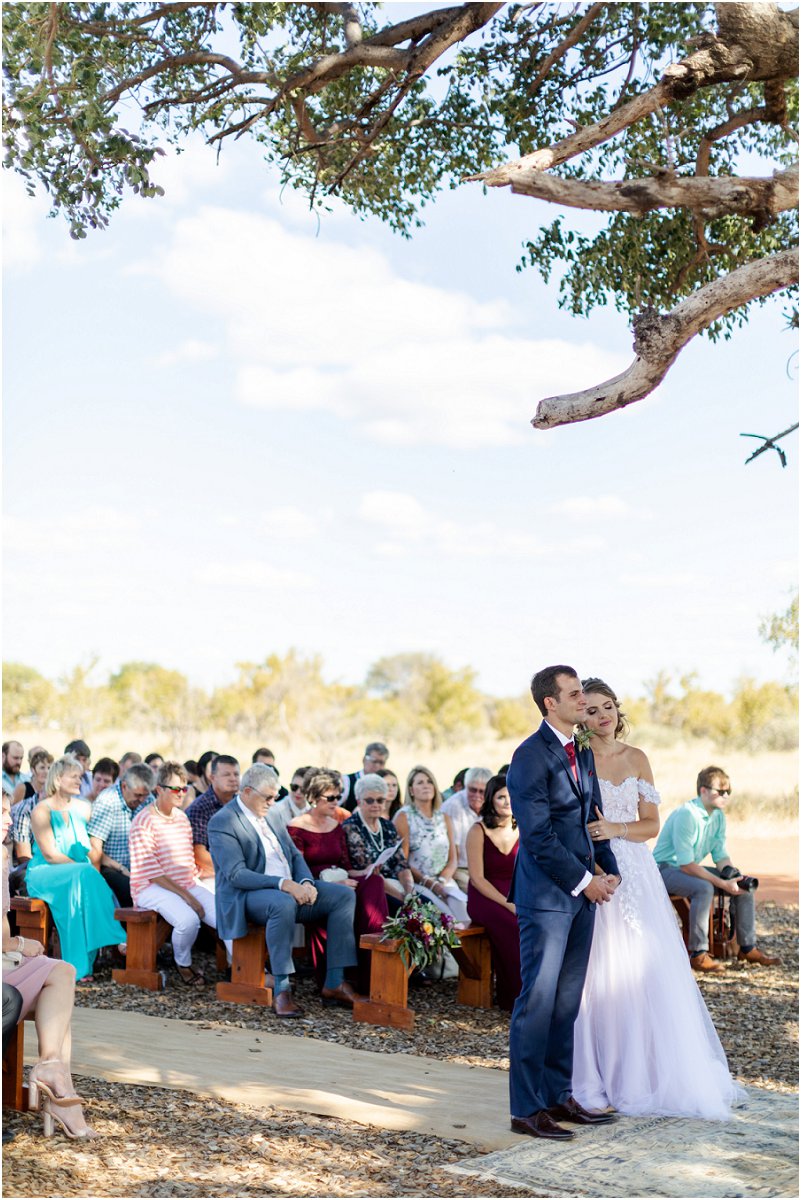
(648, 791)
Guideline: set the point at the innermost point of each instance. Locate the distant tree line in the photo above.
(412, 699)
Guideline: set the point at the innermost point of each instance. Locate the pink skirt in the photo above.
(29, 979)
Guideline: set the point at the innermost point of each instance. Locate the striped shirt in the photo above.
(161, 846)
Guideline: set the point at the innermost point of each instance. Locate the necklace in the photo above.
(376, 840)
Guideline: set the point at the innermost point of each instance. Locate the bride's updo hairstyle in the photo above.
(603, 689)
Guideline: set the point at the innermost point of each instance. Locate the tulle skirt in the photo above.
(644, 1040)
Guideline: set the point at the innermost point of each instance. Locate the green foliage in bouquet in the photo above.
(422, 931)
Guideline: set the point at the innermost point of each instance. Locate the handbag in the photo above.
(11, 960)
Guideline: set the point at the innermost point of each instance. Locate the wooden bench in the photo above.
(32, 919)
(250, 983)
(147, 932)
(389, 978)
(15, 1092)
(722, 939)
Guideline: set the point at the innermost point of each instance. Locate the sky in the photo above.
(231, 428)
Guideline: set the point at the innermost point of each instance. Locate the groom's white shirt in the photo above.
(587, 876)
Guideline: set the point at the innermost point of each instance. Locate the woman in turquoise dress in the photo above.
(60, 871)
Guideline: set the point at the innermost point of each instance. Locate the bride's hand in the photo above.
(601, 828)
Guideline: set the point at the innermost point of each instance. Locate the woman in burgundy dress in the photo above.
(321, 840)
(491, 853)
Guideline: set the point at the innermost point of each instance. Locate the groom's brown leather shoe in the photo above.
(540, 1124)
(572, 1111)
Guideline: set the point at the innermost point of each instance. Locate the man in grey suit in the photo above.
(262, 878)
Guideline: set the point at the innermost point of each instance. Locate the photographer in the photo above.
(692, 832)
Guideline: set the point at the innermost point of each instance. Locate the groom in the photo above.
(555, 887)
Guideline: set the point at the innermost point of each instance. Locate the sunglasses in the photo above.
(296, 787)
(371, 800)
(176, 791)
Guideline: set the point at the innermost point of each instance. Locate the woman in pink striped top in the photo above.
(163, 870)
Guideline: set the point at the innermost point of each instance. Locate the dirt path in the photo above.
(773, 860)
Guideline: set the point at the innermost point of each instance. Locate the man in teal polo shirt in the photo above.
(689, 834)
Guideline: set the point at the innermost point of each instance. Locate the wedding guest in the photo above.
(13, 754)
(155, 762)
(457, 785)
(491, 852)
(203, 782)
(26, 789)
(104, 775)
(110, 826)
(40, 762)
(129, 759)
(46, 987)
(393, 801)
(261, 877)
(691, 833)
(644, 1041)
(464, 809)
(61, 873)
(428, 843)
(375, 757)
(164, 872)
(79, 748)
(291, 805)
(368, 834)
(223, 770)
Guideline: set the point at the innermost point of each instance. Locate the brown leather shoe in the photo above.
(572, 1111)
(541, 1125)
(343, 995)
(285, 1006)
(705, 962)
(755, 955)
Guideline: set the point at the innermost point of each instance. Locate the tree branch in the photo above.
(575, 35)
(717, 197)
(658, 340)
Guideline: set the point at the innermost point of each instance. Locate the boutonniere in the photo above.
(582, 738)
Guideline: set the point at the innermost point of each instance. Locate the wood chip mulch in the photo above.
(161, 1142)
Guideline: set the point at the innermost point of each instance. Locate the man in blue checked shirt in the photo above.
(110, 824)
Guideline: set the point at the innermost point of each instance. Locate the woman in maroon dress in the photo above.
(321, 840)
(491, 853)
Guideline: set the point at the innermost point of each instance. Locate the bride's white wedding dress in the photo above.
(644, 1040)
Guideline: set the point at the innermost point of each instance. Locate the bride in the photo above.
(644, 1040)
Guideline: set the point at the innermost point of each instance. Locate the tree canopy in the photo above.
(673, 122)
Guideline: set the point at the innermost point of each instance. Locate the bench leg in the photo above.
(34, 925)
(389, 991)
(681, 906)
(144, 940)
(15, 1092)
(474, 957)
(247, 984)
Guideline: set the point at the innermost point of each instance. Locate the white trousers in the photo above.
(209, 884)
(453, 902)
(184, 920)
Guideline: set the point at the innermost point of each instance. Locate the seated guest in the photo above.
(46, 986)
(292, 805)
(368, 833)
(41, 762)
(79, 748)
(267, 758)
(129, 759)
(203, 776)
(261, 877)
(428, 843)
(463, 808)
(155, 762)
(110, 825)
(104, 775)
(13, 754)
(223, 771)
(491, 853)
(164, 872)
(192, 773)
(26, 789)
(457, 785)
(393, 801)
(375, 757)
(690, 833)
(61, 873)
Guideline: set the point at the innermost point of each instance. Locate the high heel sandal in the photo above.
(37, 1085)
(50, 1118)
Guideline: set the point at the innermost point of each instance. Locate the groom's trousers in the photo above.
(554, 952)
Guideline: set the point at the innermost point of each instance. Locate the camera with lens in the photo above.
(745, 883)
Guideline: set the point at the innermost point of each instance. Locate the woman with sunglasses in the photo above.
(369, 834)
(644, 1041)
(163, 870)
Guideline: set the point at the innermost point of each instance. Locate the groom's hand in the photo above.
(598, 890)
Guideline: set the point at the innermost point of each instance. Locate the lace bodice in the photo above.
(621, 799)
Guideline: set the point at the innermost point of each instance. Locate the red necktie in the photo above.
(570, 751)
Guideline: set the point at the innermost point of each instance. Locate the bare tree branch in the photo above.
(762, 198)
(658, 340)
(575, 35)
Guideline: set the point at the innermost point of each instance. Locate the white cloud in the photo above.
(589, 507)
(97, 526)
(289, 524)
(249, 573)
(317, 326)
(190, 351)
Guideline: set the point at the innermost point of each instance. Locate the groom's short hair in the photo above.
(544, 684)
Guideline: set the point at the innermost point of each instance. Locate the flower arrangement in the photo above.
(582, 737)
(422, 930)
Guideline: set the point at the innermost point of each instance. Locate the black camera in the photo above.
(745, 883)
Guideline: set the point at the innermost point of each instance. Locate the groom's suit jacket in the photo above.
(238, 857)
(552, 810)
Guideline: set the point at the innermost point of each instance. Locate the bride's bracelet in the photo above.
(625, 832)
(21, 944)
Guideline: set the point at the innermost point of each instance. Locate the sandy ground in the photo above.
(773, 860)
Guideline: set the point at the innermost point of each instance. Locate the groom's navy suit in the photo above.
(555, 851)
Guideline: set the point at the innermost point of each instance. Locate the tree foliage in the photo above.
(671, 99)
(780, 630)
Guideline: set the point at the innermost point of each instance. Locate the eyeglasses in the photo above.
(333, 799)
(268, 796)
(377, 762)
(296, 787)
(476, 791)
(176, 791)
(372, 799)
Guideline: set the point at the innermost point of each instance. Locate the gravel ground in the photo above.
(170, 1153)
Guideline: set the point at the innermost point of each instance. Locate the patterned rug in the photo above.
(755, 1154)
